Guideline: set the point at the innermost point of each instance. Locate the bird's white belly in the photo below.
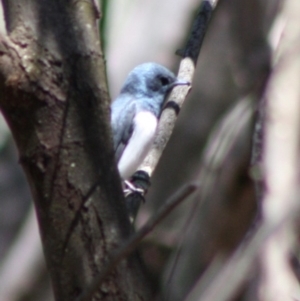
(145, 124)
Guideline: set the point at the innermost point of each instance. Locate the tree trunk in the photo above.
(54, 97)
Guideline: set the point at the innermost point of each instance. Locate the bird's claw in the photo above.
(130, 189)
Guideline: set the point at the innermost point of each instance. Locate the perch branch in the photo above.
(169, 115)
(179, 94)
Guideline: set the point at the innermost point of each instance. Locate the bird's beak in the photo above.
(181, 82)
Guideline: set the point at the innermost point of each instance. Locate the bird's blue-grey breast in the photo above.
(135, 113)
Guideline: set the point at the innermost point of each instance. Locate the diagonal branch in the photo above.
(133, 242)
(179, 94)
(169, 115)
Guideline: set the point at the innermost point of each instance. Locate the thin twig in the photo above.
(133, 242)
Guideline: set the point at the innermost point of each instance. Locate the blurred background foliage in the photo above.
(234, 63)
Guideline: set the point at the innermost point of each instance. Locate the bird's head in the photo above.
(151, 80)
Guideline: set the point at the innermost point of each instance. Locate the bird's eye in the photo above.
(164, 81)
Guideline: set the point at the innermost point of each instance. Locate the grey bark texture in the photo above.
(54, 97)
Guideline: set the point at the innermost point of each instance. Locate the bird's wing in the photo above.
(122, 116)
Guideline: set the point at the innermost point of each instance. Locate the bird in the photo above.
(136, 111)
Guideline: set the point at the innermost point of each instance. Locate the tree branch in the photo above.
(179, 94)
(174, 103)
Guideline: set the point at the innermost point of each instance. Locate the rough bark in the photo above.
(54, 97)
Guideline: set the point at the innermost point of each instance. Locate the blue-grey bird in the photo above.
(135, 113)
